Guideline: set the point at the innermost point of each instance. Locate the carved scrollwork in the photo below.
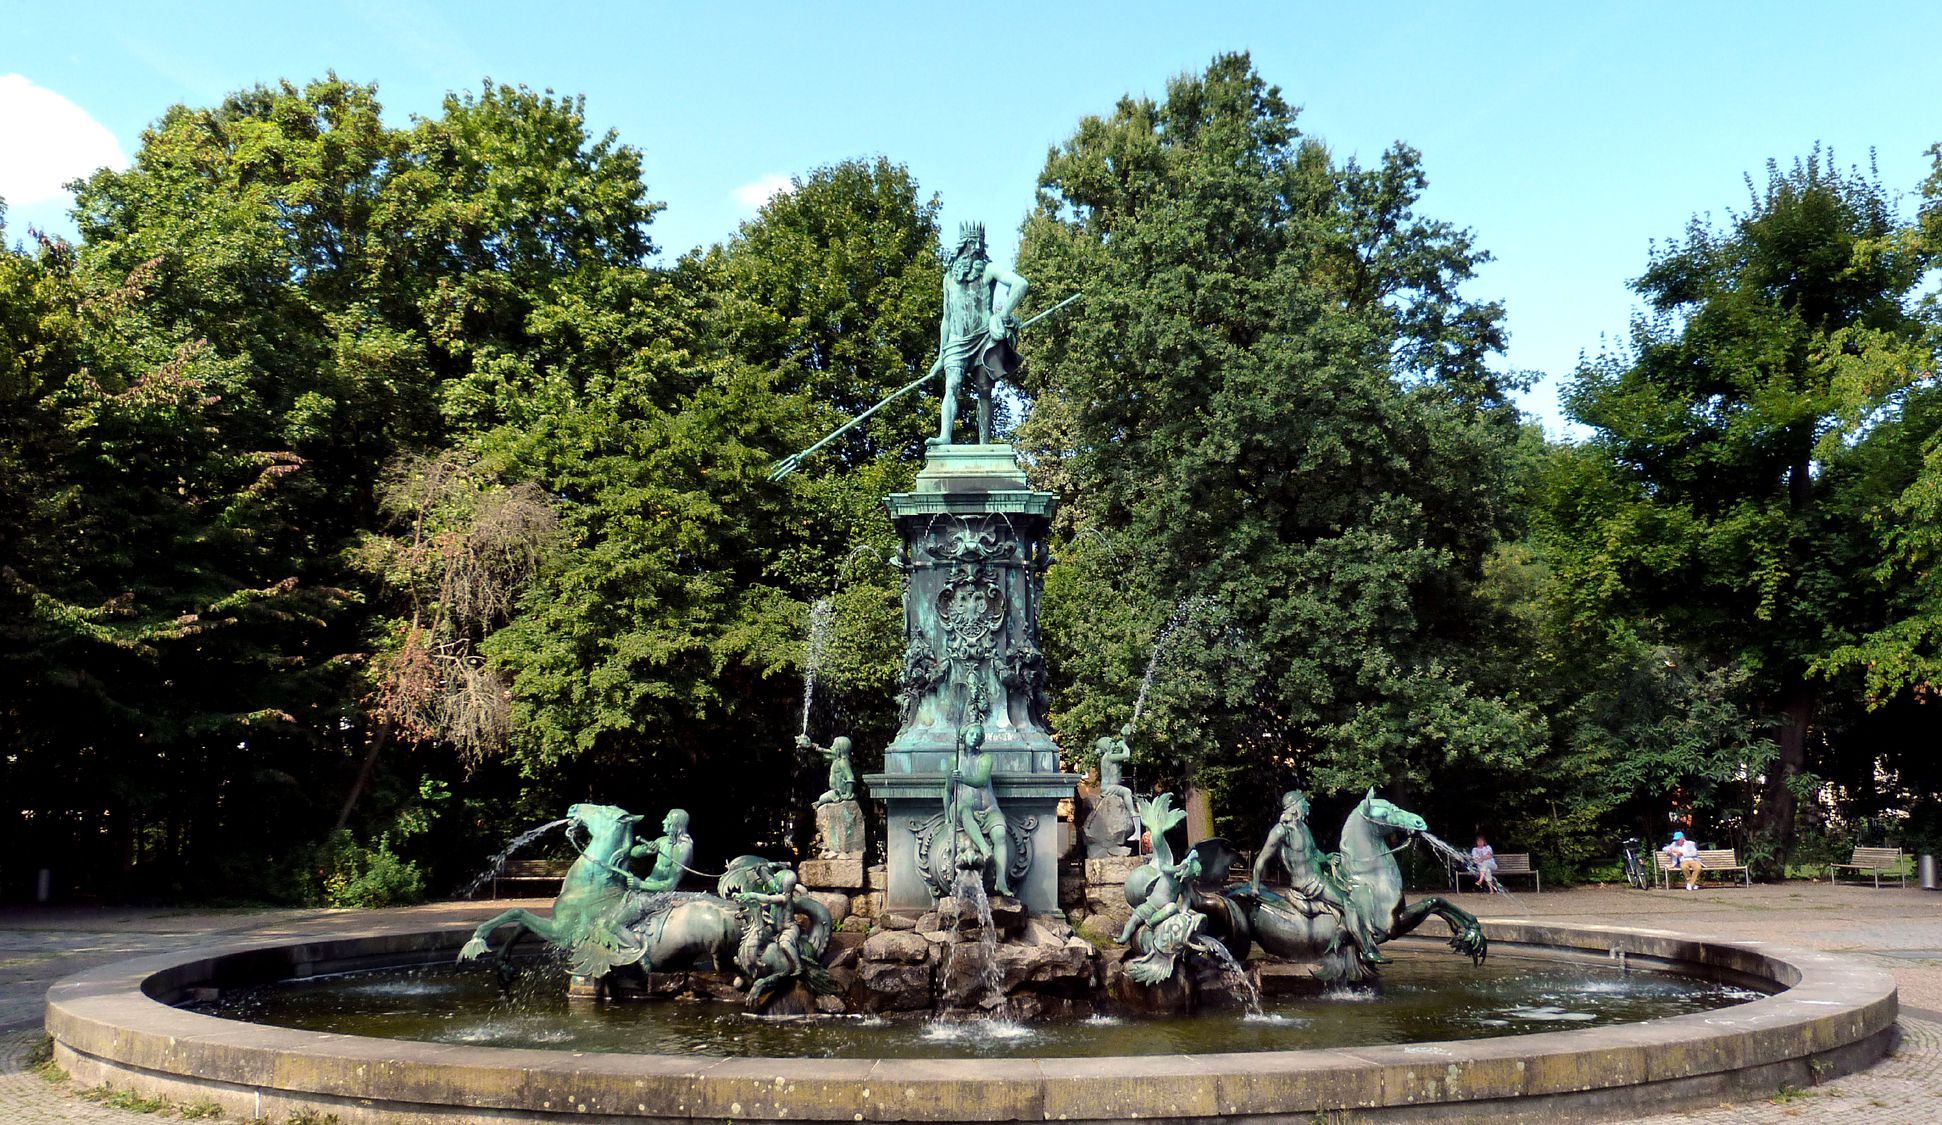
(1022, 828)
(922, 672)
(927, 829)
(971, 608)
(1023, 673)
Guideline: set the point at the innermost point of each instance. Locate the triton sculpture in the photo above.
(1338, 918)
(606, 918)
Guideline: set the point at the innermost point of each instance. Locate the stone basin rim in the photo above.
(1833, 1015)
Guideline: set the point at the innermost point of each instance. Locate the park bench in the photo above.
(1875, 861)
(1713, 859)
(1508, 863)
(547, 873)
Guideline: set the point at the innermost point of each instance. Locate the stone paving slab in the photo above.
(1898, 930)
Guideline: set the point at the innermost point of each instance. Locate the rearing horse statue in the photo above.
(606, 917)
(1301, 928)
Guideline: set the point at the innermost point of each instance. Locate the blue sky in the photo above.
(1567, 136)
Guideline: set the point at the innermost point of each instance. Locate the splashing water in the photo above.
(969, 888)
(1461, 860)
(819, 619)
(498, 861)
(1235, 978)
(1181, 613)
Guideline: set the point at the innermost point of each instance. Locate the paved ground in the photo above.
(1900, 930)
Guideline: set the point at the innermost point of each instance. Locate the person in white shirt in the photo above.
(1483, 864)
(1686, 854)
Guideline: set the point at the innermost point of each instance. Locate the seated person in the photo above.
(1686, 854)
(1483, 864)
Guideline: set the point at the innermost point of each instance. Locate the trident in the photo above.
(794, 461)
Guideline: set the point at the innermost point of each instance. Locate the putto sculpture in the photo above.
(1164, 924)
(838, 813)
(1112, 822)
(842, 775)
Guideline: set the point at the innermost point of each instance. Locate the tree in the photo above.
(154, 637)
(1273, 399)
(1733, 521)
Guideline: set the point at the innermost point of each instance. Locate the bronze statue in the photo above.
(842, 775)
(971, 806)
(977, 333)
(1112, 754)
(1313, 875)
(673, 851)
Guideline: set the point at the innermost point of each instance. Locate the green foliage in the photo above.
(350, 473)
(116, 1098)
(1273, 400)
(352, 874)
(1751, 445)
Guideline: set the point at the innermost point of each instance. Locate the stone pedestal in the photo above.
(973, 561)
(1108, 827)
(839, 830)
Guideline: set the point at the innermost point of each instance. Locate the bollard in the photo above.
(44, 886)
(1925, 870)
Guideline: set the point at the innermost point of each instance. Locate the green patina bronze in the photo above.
(977, 334)
(1340, 908)
(971, 809)
(1314, 876)
(1164, 924)
(669, 854)
(842, 775)
(605, 917)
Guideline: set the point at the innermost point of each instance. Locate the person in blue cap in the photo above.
(1685, 853)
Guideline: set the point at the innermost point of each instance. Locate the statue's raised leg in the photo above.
(1466, 933)
(517, 916)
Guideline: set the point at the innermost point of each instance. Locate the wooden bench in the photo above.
(1714, 859)
(548, 872)
(1508, 863)
(1874, 861)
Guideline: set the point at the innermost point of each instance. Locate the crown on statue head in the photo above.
(971, 232)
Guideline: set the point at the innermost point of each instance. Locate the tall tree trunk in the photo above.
(364, 772)
(1778, 804)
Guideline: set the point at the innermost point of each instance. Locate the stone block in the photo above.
(836, 902)
(877, 878)
(839, 831)
(900, 946)
(1112, 870)
(896, 920)
(1109, 828)
(1042, 930)
(888, 986)
(832, 874)
(1282, 978)
(1072, 888)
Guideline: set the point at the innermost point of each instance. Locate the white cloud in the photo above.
(754, 194)
(45, 141)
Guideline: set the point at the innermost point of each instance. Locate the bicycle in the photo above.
(1635, 872)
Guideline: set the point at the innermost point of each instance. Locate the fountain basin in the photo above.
(116, 1025)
